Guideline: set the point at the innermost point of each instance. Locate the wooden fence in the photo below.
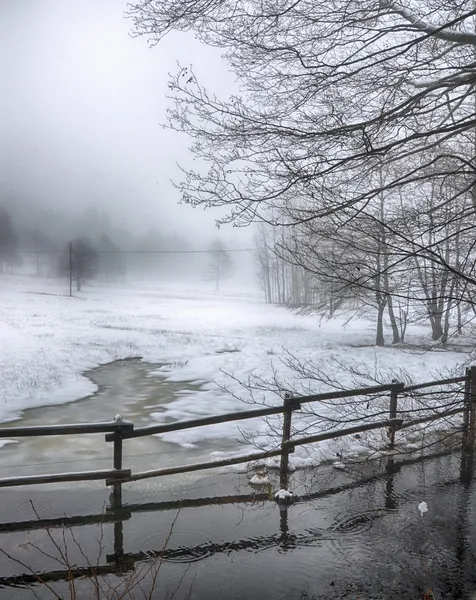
(119, 431)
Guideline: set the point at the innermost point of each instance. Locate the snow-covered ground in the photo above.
(49, 340)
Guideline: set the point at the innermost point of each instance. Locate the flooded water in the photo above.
(353, 535)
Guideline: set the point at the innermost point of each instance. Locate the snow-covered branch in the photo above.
(441, 32)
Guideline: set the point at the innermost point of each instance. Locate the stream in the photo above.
(125, 387)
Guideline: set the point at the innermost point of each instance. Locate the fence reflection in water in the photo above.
(119, 560)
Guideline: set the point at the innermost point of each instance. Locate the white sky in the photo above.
(80, 107)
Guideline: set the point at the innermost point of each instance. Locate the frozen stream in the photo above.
(124, 387)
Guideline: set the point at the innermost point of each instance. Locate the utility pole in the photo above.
(71, 269)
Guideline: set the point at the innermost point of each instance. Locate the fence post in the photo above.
(395, 390)
(471, 416)
(117, 463)
(466, 467)
(466, 406)
(287, 417)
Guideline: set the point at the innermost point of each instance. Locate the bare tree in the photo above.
(433, 219)
(263, 257)
(8, 240)
(353, 258)
(330, 90)
(220, 264)
(81, 264)
(282, 280)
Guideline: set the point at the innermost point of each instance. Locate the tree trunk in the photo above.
(277, 282)
(266, 284)
(449, 304)
(331, 304)
(393, 320)
(307, 295)
(391, 312)
(444, 336)
(436, 327)
(269, 286)
(403, 326)
(283, 277)
(380, 340)
(459, 330)
(78, 285)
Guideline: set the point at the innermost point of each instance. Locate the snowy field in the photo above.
(49, 340)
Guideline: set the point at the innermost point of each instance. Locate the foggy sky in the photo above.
(80, 105)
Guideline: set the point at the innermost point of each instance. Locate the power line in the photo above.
(173, 251)
(142, 251)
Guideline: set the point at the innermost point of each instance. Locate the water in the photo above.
(365, 538)
(124, 387)
(352, 535)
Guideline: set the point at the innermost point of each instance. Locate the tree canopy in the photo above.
(330, 89)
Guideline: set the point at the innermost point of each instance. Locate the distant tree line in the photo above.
(109, 255)
(354, 261)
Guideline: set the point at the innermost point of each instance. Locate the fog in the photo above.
(82, 149)
(81, 107)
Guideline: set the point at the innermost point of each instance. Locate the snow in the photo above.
(283, 494)
(5, 442)
(423, 508)
(49, 340)
(259, 479)
(339, 466)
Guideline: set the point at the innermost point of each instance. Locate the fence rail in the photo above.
(118, 430)
(79, 428)
(419, 386)
(114, 474)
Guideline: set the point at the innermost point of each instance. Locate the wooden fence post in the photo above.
(466, 466)
(396, 389)
(472, 407)
(284, 466)
(117, 456)
(466, 406)
(117, 463)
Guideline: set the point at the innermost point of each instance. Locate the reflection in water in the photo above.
(390, 498)
(287, 540)
(363, 539)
